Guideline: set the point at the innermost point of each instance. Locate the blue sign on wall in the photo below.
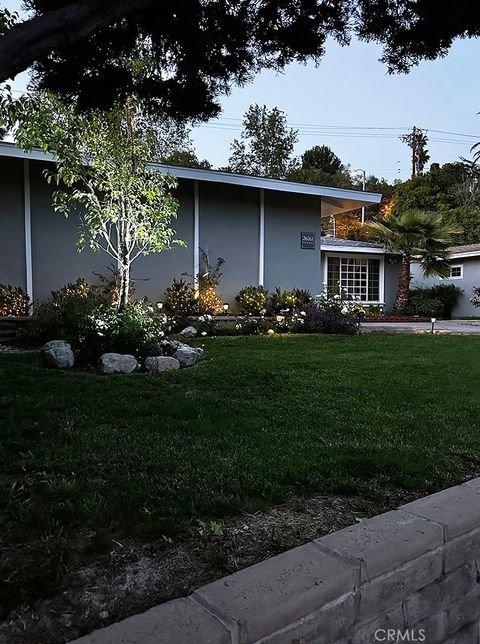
(307, 241)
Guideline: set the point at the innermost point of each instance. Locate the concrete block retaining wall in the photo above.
(410, 575)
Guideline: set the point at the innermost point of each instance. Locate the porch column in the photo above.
(196, 234)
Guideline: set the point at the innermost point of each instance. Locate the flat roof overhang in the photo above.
(334, 200)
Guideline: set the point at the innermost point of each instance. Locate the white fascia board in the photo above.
(216, 176)
(352, 249)
(358, 197)
(473, 253)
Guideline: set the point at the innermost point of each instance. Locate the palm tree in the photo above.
(419, 234)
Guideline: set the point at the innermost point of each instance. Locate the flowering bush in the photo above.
(251, 326)
(253, 299)
(475, 300)
(180, 298)
(206, 325)
(330, 320)
(13, 300)
(137, 329)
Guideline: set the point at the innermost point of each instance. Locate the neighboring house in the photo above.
(268, 232)
(464, 273)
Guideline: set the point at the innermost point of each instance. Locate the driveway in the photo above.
(467, 327)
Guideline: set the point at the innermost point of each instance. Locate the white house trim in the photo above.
(325, 248)
(196, 234)
(28, 229)
(381, 277)
(261, 240)
(473, 253)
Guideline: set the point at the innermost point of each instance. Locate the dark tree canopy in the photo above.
(178, 57)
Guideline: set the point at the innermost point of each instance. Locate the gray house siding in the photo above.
(393, 266)
(229, 228)
(12, 230)
(55, 258)
(229, 225)
(286, 264)
(152, 274)
(471, 279)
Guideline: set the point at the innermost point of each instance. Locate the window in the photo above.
(358, 277)
(456, 271)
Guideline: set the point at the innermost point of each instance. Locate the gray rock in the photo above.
(117, 363)
(189, 332)
(199, 350)
(187, 356)
(58, 354)
(161, 363)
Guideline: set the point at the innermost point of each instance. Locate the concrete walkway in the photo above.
(464, 327)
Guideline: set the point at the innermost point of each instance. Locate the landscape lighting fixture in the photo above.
(225, 308)
(433, 320)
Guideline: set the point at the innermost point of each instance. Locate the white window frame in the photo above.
(456, 277)
(381, 278)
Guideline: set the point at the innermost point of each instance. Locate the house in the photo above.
(268, 232)
(464, 273)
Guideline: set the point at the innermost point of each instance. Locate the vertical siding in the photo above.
(229, 228)
(392, 273)
(286, 264)
(154, 273)
(12, 232)
(55, 258)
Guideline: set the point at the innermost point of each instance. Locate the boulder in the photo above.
(117, 363)
(161, 363)
(187, 356)
(189, 332)
(58, 354)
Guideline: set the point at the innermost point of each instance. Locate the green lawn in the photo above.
(86, 457)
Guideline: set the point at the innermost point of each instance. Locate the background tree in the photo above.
(102, 172)
(321, 166)
(417, 141)
(186, 159)
(452, 190)
(265, 146)
(196, 49)
(415, 233)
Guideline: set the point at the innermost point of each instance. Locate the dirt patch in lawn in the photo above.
(134, 576)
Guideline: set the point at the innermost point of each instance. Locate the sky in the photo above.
(351, 90)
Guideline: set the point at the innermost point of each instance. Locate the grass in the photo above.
(87, 458)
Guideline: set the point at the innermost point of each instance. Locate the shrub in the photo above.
(282, 301)
(13, 300)
(251, 326)
(329, 320)
(209, 302)
(59, 317)
(297, 298)
(206, 325)
(137, 329)
(301, 298)
(253, 299)
(180, 298)
(448, 294)
(421, 303)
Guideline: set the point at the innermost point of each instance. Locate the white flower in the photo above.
(161, 334)
(344, 309)
(150, 309)
(270, 331)
(303, 313)
(203, 333)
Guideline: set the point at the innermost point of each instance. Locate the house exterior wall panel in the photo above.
(12, 223)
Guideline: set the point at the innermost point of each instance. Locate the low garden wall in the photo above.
(410, 575)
